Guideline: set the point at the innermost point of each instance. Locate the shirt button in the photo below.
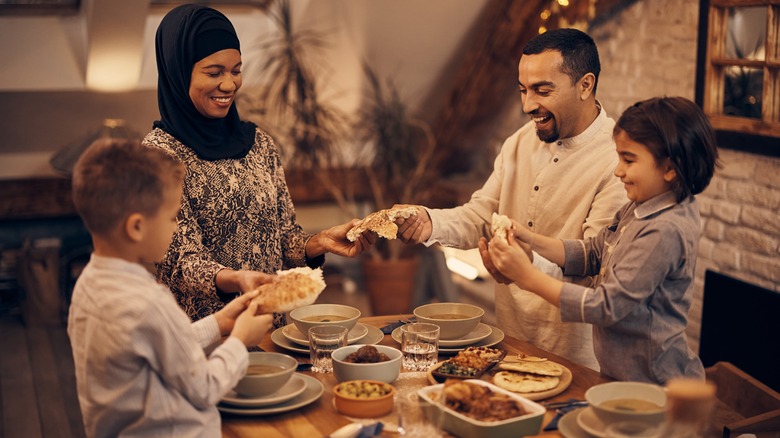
(530, 223)
(536, 188)
(560, 143)
(555, 160)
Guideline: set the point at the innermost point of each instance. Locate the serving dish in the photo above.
(466, 427)
(292, 389)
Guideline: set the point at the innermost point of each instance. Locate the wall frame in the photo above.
(738, 87)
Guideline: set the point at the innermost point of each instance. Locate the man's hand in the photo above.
(416, 228)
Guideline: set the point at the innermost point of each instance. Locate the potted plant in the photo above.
(398, 171)
(397, 148)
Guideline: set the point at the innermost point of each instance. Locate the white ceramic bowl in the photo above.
(324, 314)
(466, 427)
(455, 319)
(382, 371)
(260, 385)
(600, 394)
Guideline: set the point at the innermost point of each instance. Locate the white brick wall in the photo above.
(649, 50)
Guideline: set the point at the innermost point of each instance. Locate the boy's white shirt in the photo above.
(140, 364)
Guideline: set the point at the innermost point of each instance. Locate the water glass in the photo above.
(323, 340)
(420, 345)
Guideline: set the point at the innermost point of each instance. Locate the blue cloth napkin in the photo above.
(370, 430)
(560, 412)
(388, 329)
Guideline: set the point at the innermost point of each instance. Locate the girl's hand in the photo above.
(488, 262)
(522, 233)
(510, 258)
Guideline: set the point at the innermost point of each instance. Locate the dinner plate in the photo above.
(374, 336)
(291, 332)
(479, 333)
(292, 388)
(590, 423)
(313, 391)
(568, 427)
(565, 381)
(496, 336)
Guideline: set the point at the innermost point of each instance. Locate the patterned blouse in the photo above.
(235, 213)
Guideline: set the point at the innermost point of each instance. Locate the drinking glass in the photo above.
(323, 339)
(420, 345)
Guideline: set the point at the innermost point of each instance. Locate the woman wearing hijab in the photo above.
(237, 222)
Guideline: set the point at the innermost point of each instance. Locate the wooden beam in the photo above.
(486, 77)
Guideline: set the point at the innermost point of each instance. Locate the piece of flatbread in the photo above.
(544, 368)
(381, 222)
(524, 382)
(290, 289)
(499, 226)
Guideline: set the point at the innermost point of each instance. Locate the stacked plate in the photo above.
(482, 336)
(299, 391)
(290, 338)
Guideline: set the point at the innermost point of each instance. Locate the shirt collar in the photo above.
(587, 134)
(656, 204)
(118, 264)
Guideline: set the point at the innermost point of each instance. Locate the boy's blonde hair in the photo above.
(115, 178)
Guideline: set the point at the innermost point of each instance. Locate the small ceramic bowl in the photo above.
(627, 402)
(364, 398)
(273, 370)
(386, 371)
(455, 319)
(324, 314)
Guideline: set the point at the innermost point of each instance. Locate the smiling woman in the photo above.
(237, 223)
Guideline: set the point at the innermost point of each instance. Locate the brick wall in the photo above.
(649, 49)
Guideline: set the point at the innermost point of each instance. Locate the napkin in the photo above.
(394, 325)
(356, 430)
(561, 411)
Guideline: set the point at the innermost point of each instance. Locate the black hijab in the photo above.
(187, 34)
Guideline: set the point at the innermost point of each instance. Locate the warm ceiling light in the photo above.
(563, 2)
(542, 30)
(545, 14)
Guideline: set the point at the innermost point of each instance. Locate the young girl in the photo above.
(644, 260)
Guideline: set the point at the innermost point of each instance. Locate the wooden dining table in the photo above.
(320, 418)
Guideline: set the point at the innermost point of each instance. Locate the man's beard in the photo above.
(549, 136)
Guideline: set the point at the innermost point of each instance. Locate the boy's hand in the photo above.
(250, 328)
(226, 317)
(416, 228)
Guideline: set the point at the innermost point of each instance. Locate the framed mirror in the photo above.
(738, 72)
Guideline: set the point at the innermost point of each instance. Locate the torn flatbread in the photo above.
(524, 382)
(381, 222)
(544, 368)
(500, 226)
(290, 289)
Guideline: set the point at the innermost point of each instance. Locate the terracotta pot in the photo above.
(390, 284)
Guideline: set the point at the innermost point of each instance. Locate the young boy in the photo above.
(140, 364)
(645, 259)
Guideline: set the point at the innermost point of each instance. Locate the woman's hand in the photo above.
(334, 240)
(243, 281)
